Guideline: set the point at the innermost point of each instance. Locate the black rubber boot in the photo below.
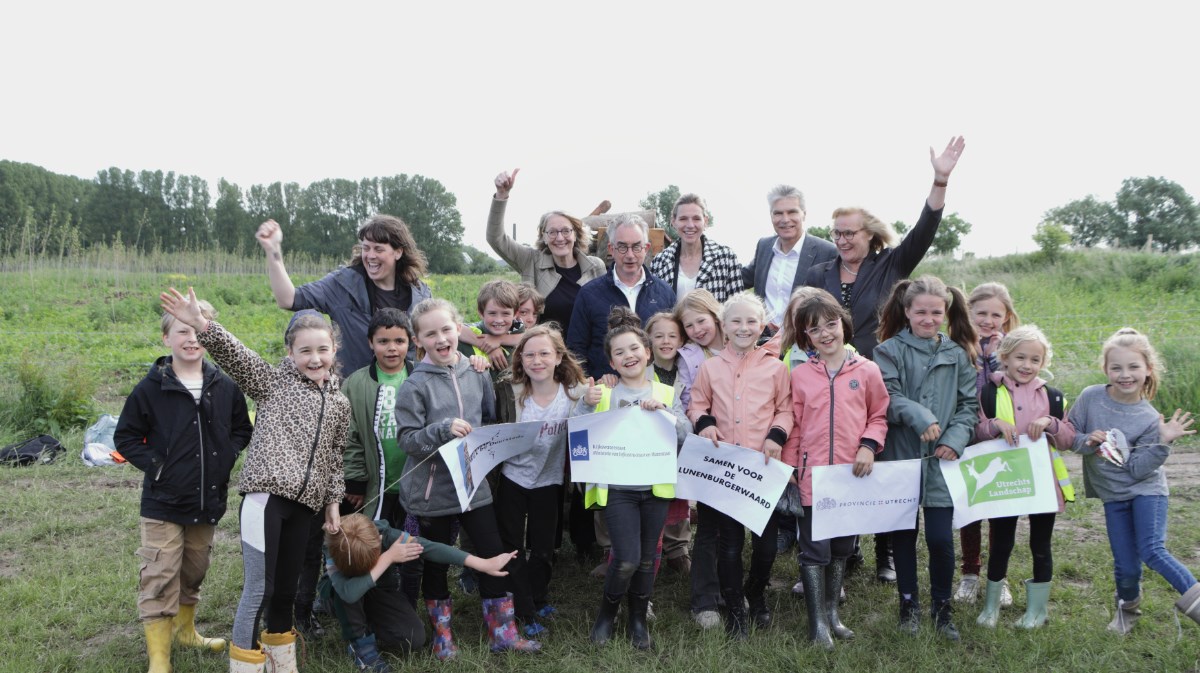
(639, 631)
(942, 613)
(602, 630)
(835, 576)
(885, 566)
(814, 600)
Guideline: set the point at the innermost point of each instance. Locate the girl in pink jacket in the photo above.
(1015, 402)
(741, 397)
(840, 404)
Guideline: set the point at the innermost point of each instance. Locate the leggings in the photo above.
(939, 537)
(480, 524)
(528, 519)
(1003, 534)
(274, 533)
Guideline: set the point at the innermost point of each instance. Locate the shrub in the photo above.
(51, 400)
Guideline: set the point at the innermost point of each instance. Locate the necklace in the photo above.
(847, 270)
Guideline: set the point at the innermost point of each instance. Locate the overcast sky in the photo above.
(611, 100)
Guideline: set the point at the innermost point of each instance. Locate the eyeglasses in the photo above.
(556, 233)
(830, 327)
(835, 234)
(539, 355)
(623, 248)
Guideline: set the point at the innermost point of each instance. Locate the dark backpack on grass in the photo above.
(41, 449)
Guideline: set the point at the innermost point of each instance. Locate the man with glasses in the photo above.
(781, 262)
(629, 283)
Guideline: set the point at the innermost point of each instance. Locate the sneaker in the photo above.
(649, 611)
(1005, 595)
(798, 588)
(533, 629)
(707, 619)
(547, 611)
(968, 589)
(366, 655)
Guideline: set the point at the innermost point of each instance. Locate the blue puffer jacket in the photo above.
(342, 295)
(589, 321)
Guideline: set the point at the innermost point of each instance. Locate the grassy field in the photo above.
(68, 576)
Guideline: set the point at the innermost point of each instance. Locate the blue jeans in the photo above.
(635, 521)
(1137, 533)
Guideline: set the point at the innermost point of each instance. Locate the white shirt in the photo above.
(631, 293)
(779, 280)
(684, 284)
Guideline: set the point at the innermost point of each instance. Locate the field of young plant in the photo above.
(73, 341)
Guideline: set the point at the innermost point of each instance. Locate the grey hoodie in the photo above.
(1142, 473)
(429, 400)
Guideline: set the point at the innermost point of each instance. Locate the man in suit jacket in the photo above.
(782, 261)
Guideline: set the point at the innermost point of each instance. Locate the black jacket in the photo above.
(187, 450)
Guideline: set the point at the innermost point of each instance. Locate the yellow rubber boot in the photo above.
(185, 631)
(246, 661)
(158, 644)
(280, 650)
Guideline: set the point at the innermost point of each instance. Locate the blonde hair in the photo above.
(746, 299)
(583, 233)
(882, 235)
(206, 310)
(1024, 334)
(1000, 293)
(661, 316)
(700, 301)
(1129, 338)
(426, 307)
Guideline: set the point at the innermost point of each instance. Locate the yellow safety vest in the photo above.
(596, 495)
(1005, 412)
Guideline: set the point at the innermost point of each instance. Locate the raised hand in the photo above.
(270, 236)
(504, 184)
(594, 393)
(944, 163)
(185, 309)
(1178, 426)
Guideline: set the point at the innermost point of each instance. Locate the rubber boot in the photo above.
(942, 613)
(1189, 603)
(184, 628)
(280, 651)
(440, 613)
(158, 644)
(606, 617)
(885, 565)
(990, 615)
(365, 655)
(910, 619)
(835, 576)
(1126, 616)
(814, 601)
(246, 661)
(1037, 599)
(500, 620)
(639, 631)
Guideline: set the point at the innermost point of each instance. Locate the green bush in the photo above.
(1180, 386)
(51, 400)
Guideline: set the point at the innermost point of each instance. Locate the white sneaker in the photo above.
(1005, 595)
(968, 589)
(707, 619)
(650, 611)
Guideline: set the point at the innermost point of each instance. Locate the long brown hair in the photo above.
(568, 372)
(819, 308)
(393, 231)
(958, 318)
(789, 331)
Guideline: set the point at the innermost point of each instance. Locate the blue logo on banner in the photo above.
(579, 445)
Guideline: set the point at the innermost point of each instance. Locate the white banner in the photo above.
(882, 501)
(995, 479)
(471, 458)
(731, 479)
(626, 447)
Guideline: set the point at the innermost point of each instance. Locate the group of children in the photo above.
(949, 370)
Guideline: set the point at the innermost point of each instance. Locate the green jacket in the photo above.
(352, 589)
(930, 381)
(362, 459)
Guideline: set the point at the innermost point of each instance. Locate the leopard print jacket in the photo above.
(299, 430)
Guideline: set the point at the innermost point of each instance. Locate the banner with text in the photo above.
(882, 501)
(731, 479)
(996, 479)
(471, 458)
(626, 447)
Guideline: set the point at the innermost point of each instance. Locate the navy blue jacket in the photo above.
(589, 320)
(187, 450)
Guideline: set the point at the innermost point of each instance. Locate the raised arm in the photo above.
(943, 166)
(514, 254)
(270, 237)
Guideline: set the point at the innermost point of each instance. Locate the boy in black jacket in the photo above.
(183, 426)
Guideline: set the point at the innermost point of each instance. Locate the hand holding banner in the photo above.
(626, 447)
(471, 458)
(731, 479)
(882, 501)
(994, 479)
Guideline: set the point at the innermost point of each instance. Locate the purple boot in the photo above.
(443, 640)
(500, 620)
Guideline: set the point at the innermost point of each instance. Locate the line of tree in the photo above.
(1147, 212)
(41, 212)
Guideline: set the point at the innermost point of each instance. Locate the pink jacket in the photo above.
(1030, 402)
(747, 396)
(833, 417)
